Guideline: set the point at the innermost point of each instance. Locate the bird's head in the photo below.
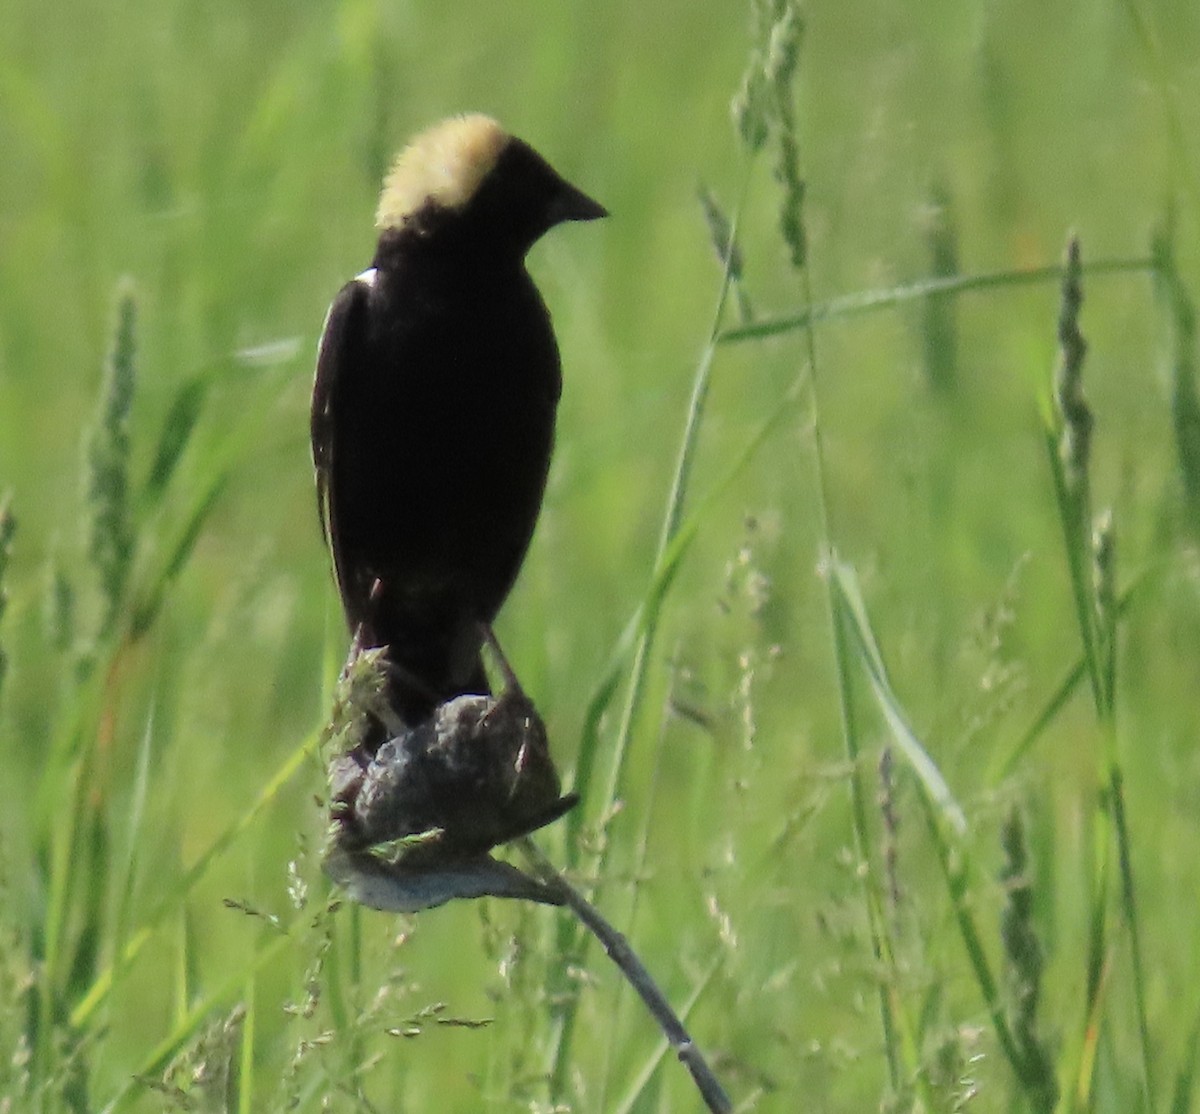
(466, 179)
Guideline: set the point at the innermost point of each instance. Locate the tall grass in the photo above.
(864, 611)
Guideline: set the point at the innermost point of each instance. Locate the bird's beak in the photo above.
(574, 204)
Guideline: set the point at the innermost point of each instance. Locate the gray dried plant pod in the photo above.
(413, 822)
(479, 770)
(396, 887)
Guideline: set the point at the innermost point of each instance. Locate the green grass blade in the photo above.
(939, 323)
(177, 429)
(871, 301)
(851, 605)
(664, 573)
(572, 942)
(8, 527)
(1004, 763)
(1129, 909)
(1185, 398)
(245, 1088)
(1180, 143)
(1185, 1078)
(946, 820)
(135, 833)
(147, 607)
(191, 1020)
(957, 872)
(175, 897)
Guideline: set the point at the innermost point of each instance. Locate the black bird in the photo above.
(433, 410)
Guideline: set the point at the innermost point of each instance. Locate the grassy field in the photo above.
(863, 612)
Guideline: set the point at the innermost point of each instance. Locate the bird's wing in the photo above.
(342, 336)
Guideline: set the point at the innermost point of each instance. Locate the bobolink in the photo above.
(433, 409)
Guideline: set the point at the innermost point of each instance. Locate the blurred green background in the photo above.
(224, 159)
